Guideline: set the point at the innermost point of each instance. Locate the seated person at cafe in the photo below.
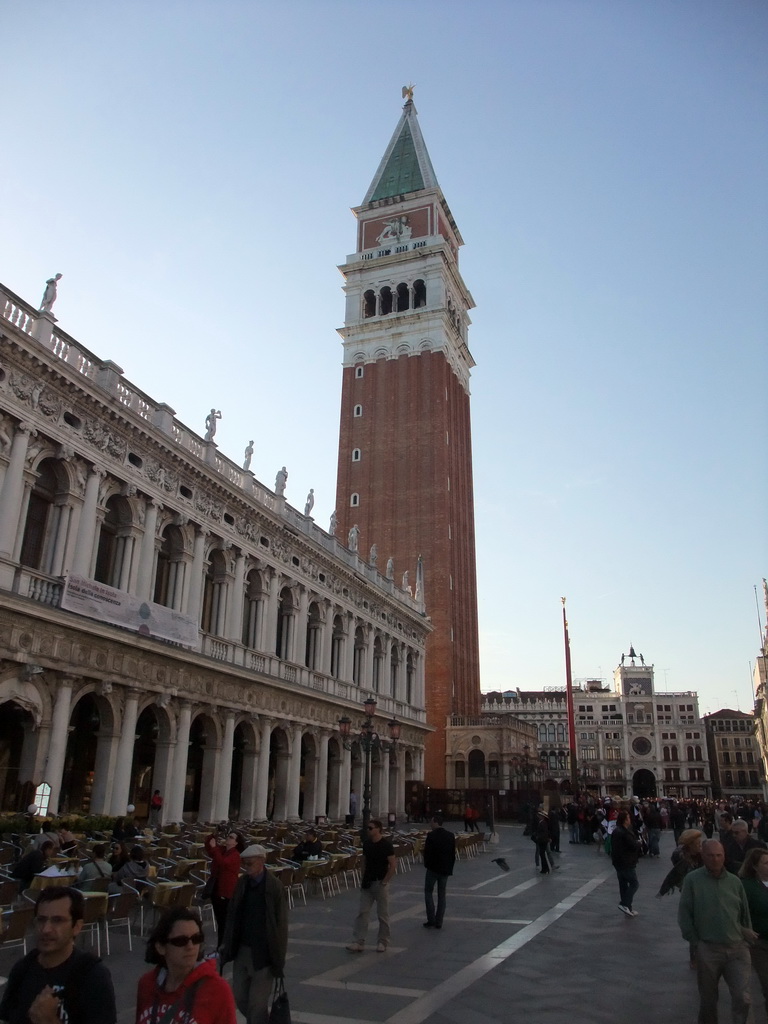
(32, 863)
(94, 868)
(120, 855)
(123, 830)
(309, 847)
(134, 872)
(67, 843)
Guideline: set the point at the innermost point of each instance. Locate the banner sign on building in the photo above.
(98, 601)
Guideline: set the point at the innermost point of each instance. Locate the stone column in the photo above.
(262, 776)
(126, 561)
(175, 801)
(162, 774)
(299, 636)
(294, 775)
(57, 747)
(121, 784)
(192, 606)
(345, 784)
(104, 769)
(12, 491)
(397, 783)
(349, 650)
(326, 635)
(86, 528)
(209, 779)
(380, 786)
(367, 679)
(397, 687)
(419, 697)
(269, 632)
(321, 776)
(145, 579)
(234, 629)
(60, 545)
(248, 783)
(221, 809)
(386, 667)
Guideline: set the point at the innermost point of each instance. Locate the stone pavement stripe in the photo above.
(336, 978)
(486, 882)
(401, 915)
(492, 920)
(317, 942)
(518, 888)
(322, 1018)
(422, 1008)
(358, 986)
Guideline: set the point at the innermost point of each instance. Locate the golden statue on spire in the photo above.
(408, 92)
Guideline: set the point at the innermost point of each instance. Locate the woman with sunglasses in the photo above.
(182, 987)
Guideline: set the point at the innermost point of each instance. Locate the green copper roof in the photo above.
(405, 166)
(402, 172)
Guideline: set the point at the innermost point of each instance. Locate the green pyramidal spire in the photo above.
(405, 166)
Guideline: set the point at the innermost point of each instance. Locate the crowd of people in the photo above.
(719, 866)
(58, 981)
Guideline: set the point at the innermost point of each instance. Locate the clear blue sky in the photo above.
(189, 168)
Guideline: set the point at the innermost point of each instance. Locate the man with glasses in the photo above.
(379, 865)
(256, 935)
(55, 981)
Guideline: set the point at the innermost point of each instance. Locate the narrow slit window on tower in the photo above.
(386, 300)
(358, 410)
(358, 372)
(369, 304)
(355, 454)
(354, 501)
(419, 294)
(403, 298)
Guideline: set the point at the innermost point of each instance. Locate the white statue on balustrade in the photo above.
(210, 423)
(49, 295)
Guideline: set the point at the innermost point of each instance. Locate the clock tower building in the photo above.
(405, 454)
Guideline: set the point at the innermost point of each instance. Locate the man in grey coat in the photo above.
(256, 936)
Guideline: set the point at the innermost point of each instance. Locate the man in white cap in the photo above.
(256, 936)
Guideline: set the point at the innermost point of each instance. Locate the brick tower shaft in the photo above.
(405, 452)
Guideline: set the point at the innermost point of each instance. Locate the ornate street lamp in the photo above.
(369, 741)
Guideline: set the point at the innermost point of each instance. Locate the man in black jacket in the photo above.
(625, 853)
(439, 857)
(56, 981)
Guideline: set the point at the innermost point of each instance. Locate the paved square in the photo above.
(548, 949)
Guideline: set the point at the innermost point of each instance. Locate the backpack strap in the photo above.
(187, 1001)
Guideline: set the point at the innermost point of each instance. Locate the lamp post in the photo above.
(524, 767)
(584, 777)
(369, 741)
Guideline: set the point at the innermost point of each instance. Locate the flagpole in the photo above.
(569, 694)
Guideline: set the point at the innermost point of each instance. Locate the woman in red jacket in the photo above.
(224, 852)
(182, 987)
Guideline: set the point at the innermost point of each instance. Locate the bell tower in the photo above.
(405, 452)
